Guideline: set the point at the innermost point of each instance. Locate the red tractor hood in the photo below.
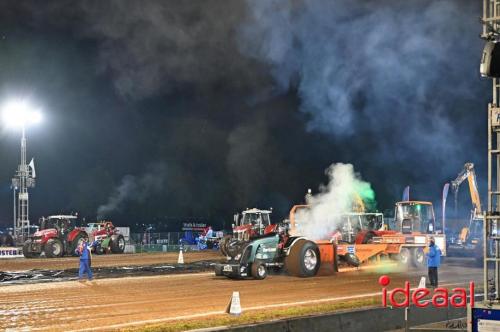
(46, 232)
(242, 228)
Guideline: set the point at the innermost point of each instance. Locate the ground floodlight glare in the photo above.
(19, 113)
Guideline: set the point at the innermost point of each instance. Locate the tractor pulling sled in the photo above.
(360, 238)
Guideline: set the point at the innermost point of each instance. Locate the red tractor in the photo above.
(57, 236)
(253, 223)
(107, 236)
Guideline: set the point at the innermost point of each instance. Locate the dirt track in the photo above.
(126, 302)
(21, 264)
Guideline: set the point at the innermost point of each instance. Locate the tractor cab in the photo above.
(100, 228)
(58, 222)
(415, 217)
(253, 222)
(352, 224)
(250, 224)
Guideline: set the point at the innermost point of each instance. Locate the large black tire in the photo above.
(223, 244)
(352, 259)
(118, 244)
(303, 259)
(418, 257)
(218, 270)
(259, 270)
(99, 250)
(235, 247)
(53, 248)
(6, 240)
(27, 250)
(404, 257)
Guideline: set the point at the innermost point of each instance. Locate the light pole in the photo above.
(19, 114)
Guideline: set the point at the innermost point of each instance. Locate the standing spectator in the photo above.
(84, 250)
(433, 254)
(210, 232)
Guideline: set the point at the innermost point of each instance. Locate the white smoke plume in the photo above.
(133, 188)
(335, 198)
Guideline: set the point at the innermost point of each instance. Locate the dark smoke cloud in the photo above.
(247, 102)
(152, 47)
(400, 73)
(134, 189)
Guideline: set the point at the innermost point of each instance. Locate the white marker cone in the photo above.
(180, 260)
(234, 305)
(422, 283)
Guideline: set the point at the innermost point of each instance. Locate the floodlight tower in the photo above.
(20, 114)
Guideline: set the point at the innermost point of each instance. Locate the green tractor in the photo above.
(278, 250)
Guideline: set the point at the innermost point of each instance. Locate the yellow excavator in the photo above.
(469, 240)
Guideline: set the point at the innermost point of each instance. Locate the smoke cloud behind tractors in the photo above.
(247, 102)
(333, 199)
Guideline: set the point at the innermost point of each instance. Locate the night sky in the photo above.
(163, 110)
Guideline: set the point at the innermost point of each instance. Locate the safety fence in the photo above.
(139, 248)
(166, 238)
(162, 242)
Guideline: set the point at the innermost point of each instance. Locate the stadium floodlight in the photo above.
(19, 113)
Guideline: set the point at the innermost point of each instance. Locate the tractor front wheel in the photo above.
(99, 250)
(27, 250)
(352, 260)
(303, 259)
(218, 270)
(259, 270)
(53, 248)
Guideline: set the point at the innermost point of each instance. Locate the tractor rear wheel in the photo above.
(418, 257)
(118, 245)
(303, 259)
(259, 270)
(53, 248)
(223, 244)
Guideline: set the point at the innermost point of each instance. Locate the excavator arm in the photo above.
(468, 173)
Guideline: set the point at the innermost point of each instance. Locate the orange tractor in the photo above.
(361, 236)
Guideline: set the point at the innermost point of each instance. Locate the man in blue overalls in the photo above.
(84, 251)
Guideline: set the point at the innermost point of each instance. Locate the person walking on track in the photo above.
(84, 251)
